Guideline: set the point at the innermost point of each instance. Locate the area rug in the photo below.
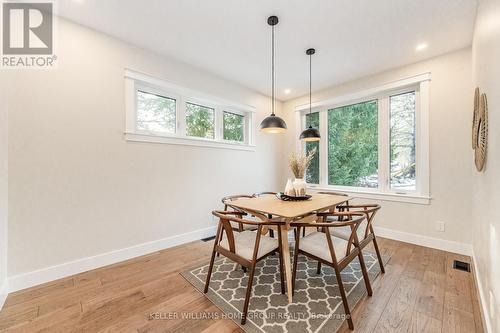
(317, 305)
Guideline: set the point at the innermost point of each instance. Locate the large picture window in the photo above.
(375, 143)
(353, 145)
(160, 112)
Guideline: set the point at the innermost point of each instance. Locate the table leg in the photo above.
(283, 229)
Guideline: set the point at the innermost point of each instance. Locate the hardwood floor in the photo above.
(419, 292)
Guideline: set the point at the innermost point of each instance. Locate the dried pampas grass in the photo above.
(299, 163)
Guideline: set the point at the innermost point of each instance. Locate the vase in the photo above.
(289, 190)
(299, 185)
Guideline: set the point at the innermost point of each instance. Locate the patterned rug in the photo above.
(317, 305)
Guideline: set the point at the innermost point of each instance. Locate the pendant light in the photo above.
(273, 123)
(310, 134)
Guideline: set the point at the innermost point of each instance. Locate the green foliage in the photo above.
(353, 145)
(155, 113)
(200, 121)
(234, 126)
(312, 174)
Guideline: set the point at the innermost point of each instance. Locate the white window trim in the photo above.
(420, 84)
(139, 81)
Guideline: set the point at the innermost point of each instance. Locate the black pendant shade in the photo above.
(310, 134)
(272, 124)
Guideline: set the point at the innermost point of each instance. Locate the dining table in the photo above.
(285, 213)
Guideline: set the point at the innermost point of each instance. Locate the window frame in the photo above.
(419, 84)
(136, 81)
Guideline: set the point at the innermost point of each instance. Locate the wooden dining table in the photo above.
(288, 212)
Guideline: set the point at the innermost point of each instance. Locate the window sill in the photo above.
(185, 141)
(406, 198)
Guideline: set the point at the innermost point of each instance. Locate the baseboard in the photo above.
(435, 243)
(4, 290)
(52, 273)
(485, 313)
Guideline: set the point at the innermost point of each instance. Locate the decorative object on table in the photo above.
(477, 97)
(299, 163)
(289, 190)
(272, 124)
(285, 197)
(482, 134)
(300, 186)
(310, 134)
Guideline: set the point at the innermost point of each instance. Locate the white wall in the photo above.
(3, 201)
(486, 185)
(78, 189)
(450, 166)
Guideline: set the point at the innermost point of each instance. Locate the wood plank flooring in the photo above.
(420, 292)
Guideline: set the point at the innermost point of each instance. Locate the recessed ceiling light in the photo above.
(287, 91)
(422, 46)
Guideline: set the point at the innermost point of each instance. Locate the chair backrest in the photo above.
(225, 219)
(351, 219)
(226, 200)
(334, 193)
(259, 194)
(370, 210)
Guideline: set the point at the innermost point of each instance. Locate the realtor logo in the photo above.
(27, 39)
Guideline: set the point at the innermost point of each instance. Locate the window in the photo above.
(402, 115)
(200, 121)
(373, 143)
(353, 145)
(233, 126)
(312, 174)
(155, 113)
(160, 112)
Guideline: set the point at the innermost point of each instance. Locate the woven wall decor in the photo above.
(474, 117)
(481, 133)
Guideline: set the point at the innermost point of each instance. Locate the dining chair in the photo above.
(260, 194)
(227, 204)
(365, 231)
(331, 210)
(332, 251)
(336, 193)
(245, 248)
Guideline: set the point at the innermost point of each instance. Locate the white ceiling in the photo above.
(231, 38)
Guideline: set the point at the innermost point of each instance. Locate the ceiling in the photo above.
(231, 38)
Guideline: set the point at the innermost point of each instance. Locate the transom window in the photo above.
(233, 126)
(377, 144)
(158, 111)
(200, 121)
(155, 113)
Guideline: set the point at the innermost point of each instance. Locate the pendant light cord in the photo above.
(310, 83)
(272, 70)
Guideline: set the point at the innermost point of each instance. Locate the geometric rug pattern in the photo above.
(317, 305)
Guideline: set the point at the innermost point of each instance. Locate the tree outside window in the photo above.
(200, 121)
